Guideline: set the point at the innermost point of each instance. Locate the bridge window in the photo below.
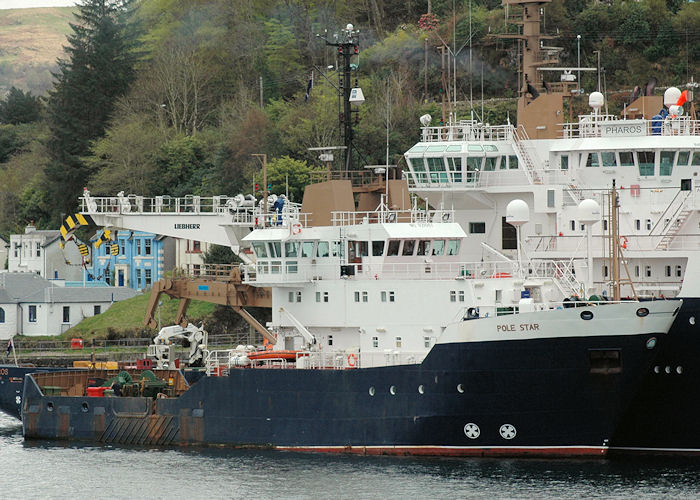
(408, 247)
(291, 248)
(455, 166)
(593, 160)
(626, 159)
(393, 248)
(666, 162)
(438, 247)
(423, 247)
(419, 169)
(609, 159)
(377, 248)
(490, 147)
(646, 162)
(358, 249)
(696, 159)
(275, 248)
(2, 315)
(437, 170)
(323, 249)
(473, 165)
(455, 148)
(452, 247)
(475, 148)
(513, 162)
(259, 249)
(683, 157)
(490, 163)
(307, 249)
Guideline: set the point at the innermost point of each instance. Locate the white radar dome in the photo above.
(596, 100)
(517, 213)
(425, 120)
(588, 211)
(671, 96)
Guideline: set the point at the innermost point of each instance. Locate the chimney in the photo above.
(30, 227)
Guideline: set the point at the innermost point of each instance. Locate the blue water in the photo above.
(55, 470)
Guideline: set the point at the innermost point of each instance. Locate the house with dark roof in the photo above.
(32, 305)
(39, 251)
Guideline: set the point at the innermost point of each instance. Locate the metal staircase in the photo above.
(677, 220)
(534, 174)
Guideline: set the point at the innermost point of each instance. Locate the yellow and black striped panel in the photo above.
(115, 249)
(106, 237)
(72, 223)
(83, 249)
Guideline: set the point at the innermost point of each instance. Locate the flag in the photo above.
(309, 86)
(683, 98)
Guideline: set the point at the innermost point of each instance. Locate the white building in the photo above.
(39, 251)
(189, 255)
(32, 305)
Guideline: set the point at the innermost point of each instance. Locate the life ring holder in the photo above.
(623, 241)
(352, 360)
(296, 228)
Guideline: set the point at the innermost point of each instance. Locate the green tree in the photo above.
(19, 107)
(287, 172)
(218, 254)
(99, 69)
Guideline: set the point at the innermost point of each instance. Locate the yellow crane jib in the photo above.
(105, 237)
(72, 223)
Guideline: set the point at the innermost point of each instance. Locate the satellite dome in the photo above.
(517, 213)
(588, 211)
(671, 96)
(596, 100)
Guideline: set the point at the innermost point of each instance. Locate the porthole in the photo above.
(642, 311)
(421, 389)
(85, 406)
(651, 343)
(679, 370)
(667, 369)
(657, 369)
(586, 315)
(691, 320)
(392, 390)
(371, 391)
(460, 388)
(49, 406)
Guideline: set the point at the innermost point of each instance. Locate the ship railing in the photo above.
(467, 130)
(345, 218)
(592, 126)
(632, 243)
(270, 271)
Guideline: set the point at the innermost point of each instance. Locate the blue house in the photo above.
(140, 259)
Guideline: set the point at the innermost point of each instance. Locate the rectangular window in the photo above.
(66, 314)
(357, 296)
(477, 227)
(426, 341)
(666, 160)
(138, 247)
(307, 249)
(605, 224)
(438, 247)
(138, 278)
(647, 271)
(408, 247)
(638, 224)
(260, 249)
(512, 162)
(398, 342)
(455, 166)
(96, 310)
(291, 297)
(330, 340)
(148, 277)
(377, 248)
(298, 295)
(683, 157)
(321, 296)
(147, 246)
(626, 159)
(318, 296)
(275, 248)
(696, 159)
(323, 249)
(608, 158)
(564, 164)
(679, 271)
(593, 160)
(572, 223)
(668, 271)
(423, 247)
(122, 247)
(460, 295)
(490, 163)
(646, 162)
(375, 341)
(453, 295)
(453, 247)
(605, 271)
(387, 296)
(649, 224)
(393, 248)
(636, 271)
(32, 314)
(291, 248)
(38, 249)
(365, 297)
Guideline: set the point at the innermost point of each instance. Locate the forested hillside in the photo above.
(165, 96)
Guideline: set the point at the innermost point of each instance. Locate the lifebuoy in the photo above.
(352, 360)
(623, 241)
(296, 228)
(391, 217)
(445, 217)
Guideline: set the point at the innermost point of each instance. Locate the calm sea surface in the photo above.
(54, 470)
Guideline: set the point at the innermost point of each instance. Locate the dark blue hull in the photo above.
(663, 415)
(528, 397)
(11, 384)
